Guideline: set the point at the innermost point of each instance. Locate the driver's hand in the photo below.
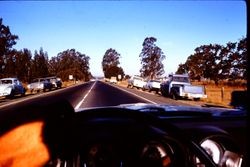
(23, 146)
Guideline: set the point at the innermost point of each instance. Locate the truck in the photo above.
(136, 81)
(178, 86)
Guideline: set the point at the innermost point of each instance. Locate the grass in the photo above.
(221, 94)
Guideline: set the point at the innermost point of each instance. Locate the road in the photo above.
(90, 94)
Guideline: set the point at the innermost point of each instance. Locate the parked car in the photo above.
(179, 86)
(10, 87)
(113, 80)
(136, 81)
(39, 84)
(56, 82)
(152, 85)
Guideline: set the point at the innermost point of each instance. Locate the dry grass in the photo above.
(220, 95)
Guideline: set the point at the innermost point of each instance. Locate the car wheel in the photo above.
(23, 93)
(196, 99)
(11, 95)
(174, 96)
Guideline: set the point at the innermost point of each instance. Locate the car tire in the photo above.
(174, 96)
(11, 95)
(197, 99)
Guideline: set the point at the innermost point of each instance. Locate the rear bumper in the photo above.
(193, 96)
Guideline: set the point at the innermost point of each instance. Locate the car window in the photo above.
(6, 81)
(181, 79)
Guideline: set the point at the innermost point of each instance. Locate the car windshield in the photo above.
(100, 54)
(129, 40)
(181, 79)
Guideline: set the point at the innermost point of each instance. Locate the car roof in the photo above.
(8, 78)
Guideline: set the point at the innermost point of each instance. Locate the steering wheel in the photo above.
(120, 137)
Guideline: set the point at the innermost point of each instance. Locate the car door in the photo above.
(18, 87)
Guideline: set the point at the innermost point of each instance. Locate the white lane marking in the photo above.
(85, 96)
(135, 95)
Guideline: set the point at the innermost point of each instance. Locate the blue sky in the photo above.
(92, 27)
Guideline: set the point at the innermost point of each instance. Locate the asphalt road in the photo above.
(90, 94)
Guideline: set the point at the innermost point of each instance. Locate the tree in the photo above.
(110, 63)
(240, 62)
(151, 59)
(7, 40)
(182, 69)
(39, 66)
(70, 62)
(23, 65)
(114, 71)
(217, 62)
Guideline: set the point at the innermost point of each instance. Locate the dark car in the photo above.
(56, 81)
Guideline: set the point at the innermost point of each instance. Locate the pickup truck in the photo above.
(179, 86)
(136, 81)
(10, 87)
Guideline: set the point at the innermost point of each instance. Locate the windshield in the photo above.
(181, 79)
(93, 42)
(88, 73)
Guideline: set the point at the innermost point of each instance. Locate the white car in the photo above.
(39, 84)
(113, 80)
(10, 87)
(136, 81)
(152, 85)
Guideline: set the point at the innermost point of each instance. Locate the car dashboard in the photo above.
(155, 136)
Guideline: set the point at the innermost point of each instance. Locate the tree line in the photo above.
(213, 61)
(27, 66)
(217, 62)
